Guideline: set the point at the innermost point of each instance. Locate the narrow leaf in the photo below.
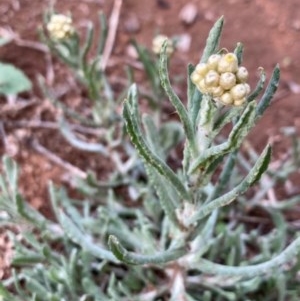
(168, 199)
(269, 93)
(190, 87)
(103, 34)
(213, 40)
(254, 174)
(268, 268)
(239, 49)
(259, 87)
(236, 137)
(134, 131)
(87, 46)
(174, 99)
(80, 238)
(74, 141)
(133, 258)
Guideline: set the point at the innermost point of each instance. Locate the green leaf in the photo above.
(13, 80)
(236, 137)
(174, 99)
(150, 67)
(269, 93)
(255, 173)
(259, 87)
(11, 171)
(268, 268)
(224, 119)
(212, 42)
(170, 134)
(6, 295)
(86, 47)
(74, 141)
(80, 238)
(239, 49)
(103, 34)
(190, 87)
(133, 258)
(130, 114)
(152, 134)
(168, 198)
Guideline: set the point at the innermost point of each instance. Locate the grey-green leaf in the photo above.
(213, 40)
(133, 258)
(13, 80)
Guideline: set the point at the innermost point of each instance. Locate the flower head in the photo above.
(60, 27)
(223, 79)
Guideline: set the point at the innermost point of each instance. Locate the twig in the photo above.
(113, 24)
(52, 126)
(57, 160)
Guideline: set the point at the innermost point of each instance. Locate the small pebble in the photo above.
(132, 24)
(188, 14)
(184, 43)
(296, 24)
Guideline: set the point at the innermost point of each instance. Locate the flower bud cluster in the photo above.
(158, 42)
(223, 79)
(60, 27)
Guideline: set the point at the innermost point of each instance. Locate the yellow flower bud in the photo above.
(212, 62)
(242, 74)
(239, 91)
(212, 78)
(226, 99)
(228, 63)
(227, 80)
(158, 42)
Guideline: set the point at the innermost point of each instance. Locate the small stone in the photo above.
(131, 52)
(188, 14)
(184, 42)
(132, 24)
(296, 24)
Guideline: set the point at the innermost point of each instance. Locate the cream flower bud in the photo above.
(227, 80)
(242, 74)
(202, 86)
(228, 63)
(60, 27)
(196, 77)
(212, 62)
(239, 91)
(157, 43)
(239, 102)
(247, 88)
(216, 91)
(212, 78)
(226, 99)
(201, 69)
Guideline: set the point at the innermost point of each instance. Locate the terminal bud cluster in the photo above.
(60, 27)
(223, 79)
